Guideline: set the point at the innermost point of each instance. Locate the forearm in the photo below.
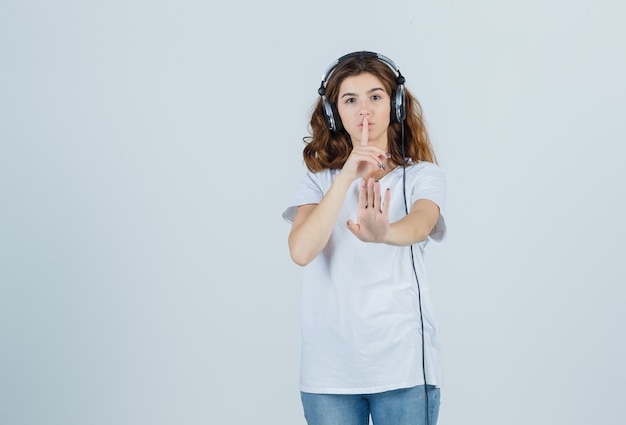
(414, 227)
(407, 231)
(310, 234)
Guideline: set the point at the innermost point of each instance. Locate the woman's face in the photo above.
(361, 96)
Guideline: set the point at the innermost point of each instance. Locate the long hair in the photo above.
(326, 149)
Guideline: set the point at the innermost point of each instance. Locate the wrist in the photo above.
(344, 180)
(391, 236)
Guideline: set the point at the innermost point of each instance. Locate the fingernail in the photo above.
(388, 154)
(381, 166)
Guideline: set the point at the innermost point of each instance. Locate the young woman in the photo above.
(361, 218)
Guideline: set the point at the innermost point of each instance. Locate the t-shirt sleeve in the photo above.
(430, 183)
(308, 191)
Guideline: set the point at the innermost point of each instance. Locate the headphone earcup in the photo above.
(338, 123)
(398, 108)
(331, 115)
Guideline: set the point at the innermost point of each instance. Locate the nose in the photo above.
(365, 110)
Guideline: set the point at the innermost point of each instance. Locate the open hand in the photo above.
(373, 213)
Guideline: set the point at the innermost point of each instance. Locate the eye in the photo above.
(350, 100)
(376, 97)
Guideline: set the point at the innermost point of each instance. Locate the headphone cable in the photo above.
(419, 291)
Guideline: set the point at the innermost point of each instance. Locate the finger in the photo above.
(353, 227)
(371, 193)
(363, 196)
(377, 199)
(364, 132)
(387, 201)
(374, 151)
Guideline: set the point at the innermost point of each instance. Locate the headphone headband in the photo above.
(398, 112)
(378, 56)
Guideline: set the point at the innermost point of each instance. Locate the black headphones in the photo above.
(398, 107)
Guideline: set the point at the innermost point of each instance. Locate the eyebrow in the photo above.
(368, 92)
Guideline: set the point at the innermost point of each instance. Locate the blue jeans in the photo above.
(397, 407)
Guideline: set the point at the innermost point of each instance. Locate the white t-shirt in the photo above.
(360, 313)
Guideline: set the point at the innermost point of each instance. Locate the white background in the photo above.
(148, 148)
